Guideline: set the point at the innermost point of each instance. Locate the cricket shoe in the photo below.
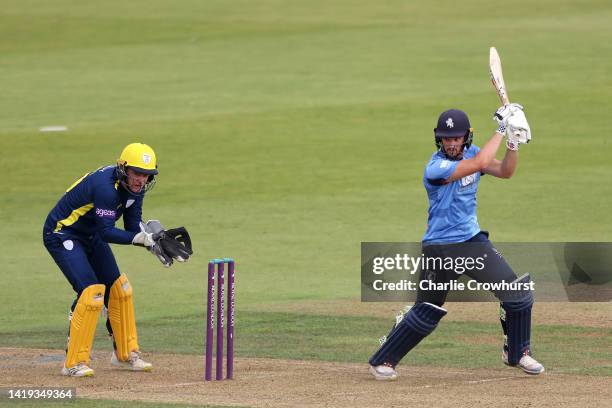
(134, 362)
(527, 363)
(384, 372)
(79, 370)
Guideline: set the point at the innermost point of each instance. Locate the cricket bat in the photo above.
(497, 77)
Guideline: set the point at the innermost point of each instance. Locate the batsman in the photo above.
(77, 234)
(451, 180)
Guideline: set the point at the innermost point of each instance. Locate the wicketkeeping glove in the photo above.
(144, 237)
(176, 242)
(166, 245)
(163, 257)
(149, 236)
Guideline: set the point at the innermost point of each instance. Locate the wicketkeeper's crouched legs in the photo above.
(83, 326)
(417, 324)
(121, 318)
(122, 326)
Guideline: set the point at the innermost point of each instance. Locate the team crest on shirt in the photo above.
(129, 203)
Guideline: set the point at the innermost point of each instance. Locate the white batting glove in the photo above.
(512, 121)
(513, 142)
(518, 126)
(502, 114)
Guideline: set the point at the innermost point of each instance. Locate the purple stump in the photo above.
(230, 320)
(220, 300)
(210, 319)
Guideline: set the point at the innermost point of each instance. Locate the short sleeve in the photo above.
(440, 169)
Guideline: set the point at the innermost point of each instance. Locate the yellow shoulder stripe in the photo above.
(77, 182)
(73, 217)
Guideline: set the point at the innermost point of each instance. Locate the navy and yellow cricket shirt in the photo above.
(92, 205)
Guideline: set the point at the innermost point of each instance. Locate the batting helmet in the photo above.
(453, 123)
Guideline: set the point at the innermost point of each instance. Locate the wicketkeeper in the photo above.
(451, 179)
(77, 234)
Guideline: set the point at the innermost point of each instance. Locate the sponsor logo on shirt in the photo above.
(468, 184)
(467, 180)
(101, 212)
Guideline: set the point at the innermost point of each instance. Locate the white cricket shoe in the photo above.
(79, 370)
(134, 363)
(384, 372)
(527, 363)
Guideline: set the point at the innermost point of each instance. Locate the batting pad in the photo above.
(516, 318)
(83, 325)
(417, 324)
(121, 317)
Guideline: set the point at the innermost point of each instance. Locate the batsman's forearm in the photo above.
(489, 150)
(509, 162)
